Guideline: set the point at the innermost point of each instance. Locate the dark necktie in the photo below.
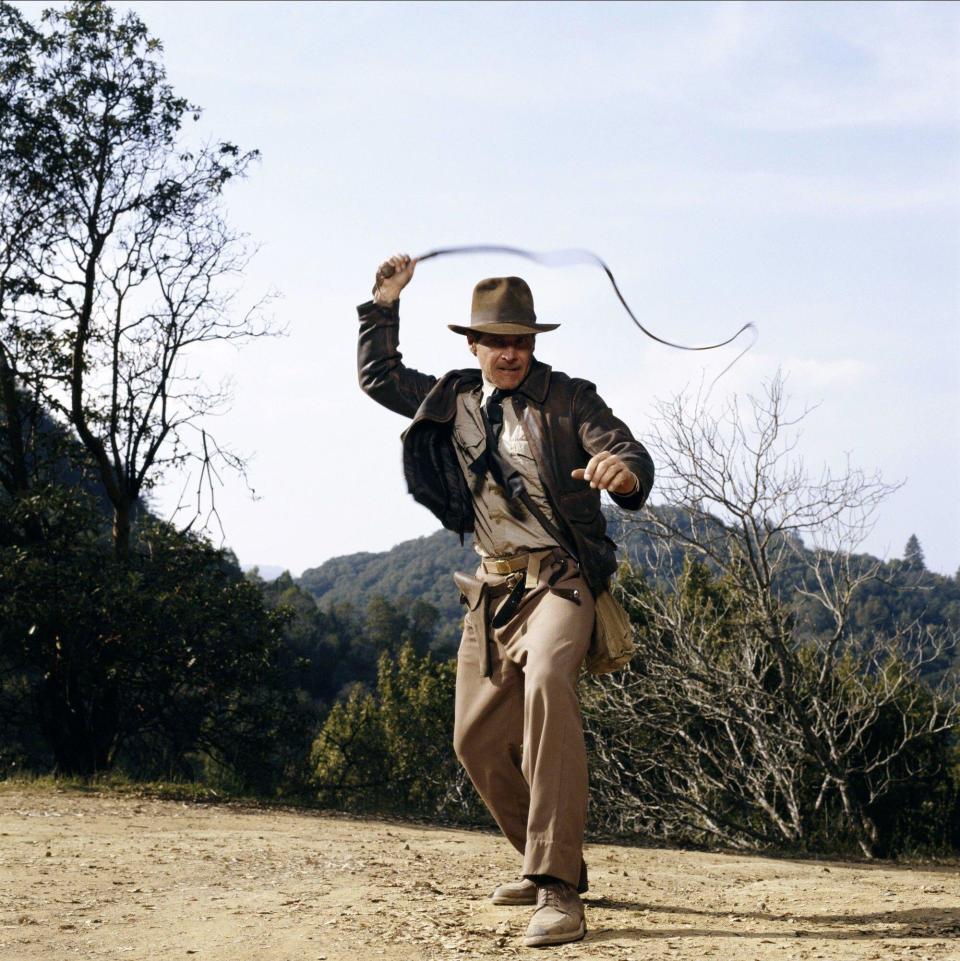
(502, 472)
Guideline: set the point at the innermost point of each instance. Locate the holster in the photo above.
(474, 593)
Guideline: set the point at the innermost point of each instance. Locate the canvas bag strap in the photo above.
(547, 524)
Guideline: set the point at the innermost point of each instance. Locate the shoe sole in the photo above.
(545, 940)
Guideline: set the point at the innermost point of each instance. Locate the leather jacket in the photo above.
(563, 418)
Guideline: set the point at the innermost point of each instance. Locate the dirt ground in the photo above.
(114, 876)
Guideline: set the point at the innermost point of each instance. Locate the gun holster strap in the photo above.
(509, 607)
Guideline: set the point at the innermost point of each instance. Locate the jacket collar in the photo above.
(440, 404)
(537, 382)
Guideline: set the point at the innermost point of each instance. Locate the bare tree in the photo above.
(739, 719)
(690, 738)
(138, 265)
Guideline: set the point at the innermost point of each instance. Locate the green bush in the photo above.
(138, 665)
(393, 749)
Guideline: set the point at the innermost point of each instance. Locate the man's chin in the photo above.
(508, 380)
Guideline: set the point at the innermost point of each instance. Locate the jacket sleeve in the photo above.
(380, 367)
(600, 430)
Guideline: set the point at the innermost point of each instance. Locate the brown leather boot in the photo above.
(524, 891)
(558, 918)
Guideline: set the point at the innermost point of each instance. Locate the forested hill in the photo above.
(52, 454)
(422, 568)
(415, 569)
(419, 568)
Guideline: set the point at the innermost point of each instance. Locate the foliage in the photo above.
(913, 554)
(116, 260)
(763, 721)
(417, 569)
(393, 749)
(693, 741)
(326, 652)
(115, 256)
(151, 665)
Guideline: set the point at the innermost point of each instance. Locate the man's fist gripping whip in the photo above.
(568, 258)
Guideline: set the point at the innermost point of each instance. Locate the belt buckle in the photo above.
(502, 566)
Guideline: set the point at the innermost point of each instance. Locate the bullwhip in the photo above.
(569, 258)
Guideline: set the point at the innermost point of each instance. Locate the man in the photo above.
(517, 453)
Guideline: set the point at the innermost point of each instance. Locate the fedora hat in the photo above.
(502, 305)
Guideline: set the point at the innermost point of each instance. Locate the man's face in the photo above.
(504, 359)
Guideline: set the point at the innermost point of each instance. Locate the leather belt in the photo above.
(505, 565)
(515, 586)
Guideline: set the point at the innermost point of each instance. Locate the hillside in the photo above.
(422, 568)
(54, 455)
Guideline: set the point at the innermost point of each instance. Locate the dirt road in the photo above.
(110, 876)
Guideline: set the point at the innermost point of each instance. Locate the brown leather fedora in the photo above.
(502, 305)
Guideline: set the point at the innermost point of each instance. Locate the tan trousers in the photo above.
(519, 732)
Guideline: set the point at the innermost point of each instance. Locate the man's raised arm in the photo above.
(380, 367)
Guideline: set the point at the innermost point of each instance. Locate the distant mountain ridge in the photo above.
(423, 567)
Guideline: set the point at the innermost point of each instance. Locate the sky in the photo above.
(794, 165)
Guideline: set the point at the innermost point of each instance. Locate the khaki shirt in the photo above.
(501, 527)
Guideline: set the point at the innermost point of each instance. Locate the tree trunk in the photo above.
(80, 730)
(121, 531)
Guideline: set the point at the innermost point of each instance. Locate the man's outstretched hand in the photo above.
(607, 472)
(392, 276)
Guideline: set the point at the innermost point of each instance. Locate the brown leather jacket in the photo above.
(564, 420)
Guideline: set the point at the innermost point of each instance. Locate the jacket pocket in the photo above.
(582, 506)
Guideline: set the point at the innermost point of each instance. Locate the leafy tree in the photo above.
(28, 178)
(117, 259)
(316, 659)
(141, 647)
(393, 748)
(390, 624)
(145, 663)
(913, 554)
(385, 625)
(415, 570)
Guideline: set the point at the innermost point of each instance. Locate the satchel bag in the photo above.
(611, 645)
